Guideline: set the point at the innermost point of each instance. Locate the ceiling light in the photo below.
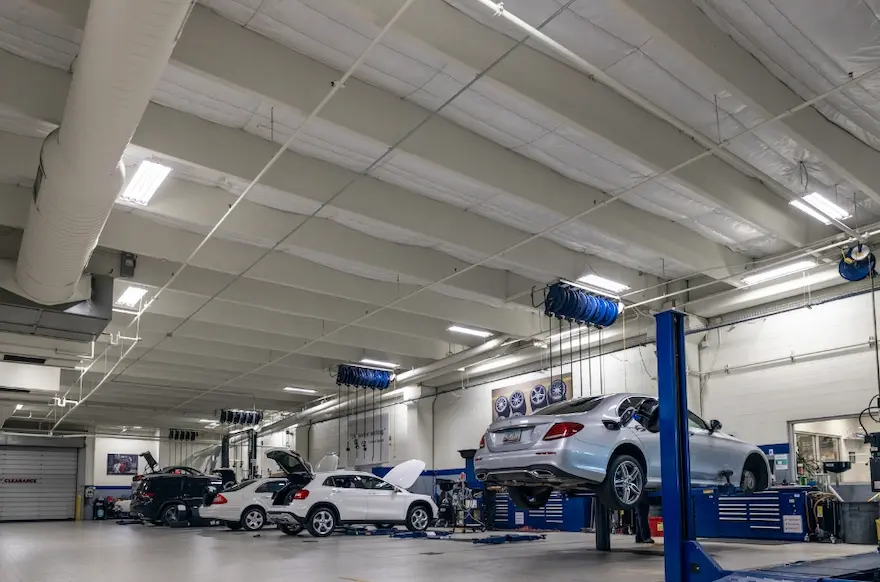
(778, 272)
(379, 363)
(300, 390)
(806, 208)
(19, 406)
(137, 427)
(493, 364)
(603, 283)
(131, 296)
(207, 421)
(146, 180)
(826, 207)
(469, 331)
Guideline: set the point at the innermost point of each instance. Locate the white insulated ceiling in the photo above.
(528, 144)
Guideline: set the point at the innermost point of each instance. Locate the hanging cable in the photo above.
(373, 435)
(581, 359)
(876, 342)
(601, 366)
(550, 322)
(339, 419)
(590, 356)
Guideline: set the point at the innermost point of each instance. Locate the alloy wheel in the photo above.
(628, 482)
(323, 521)
(419, 519)
(254, 519)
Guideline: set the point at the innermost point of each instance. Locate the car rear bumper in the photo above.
(560, 468)
(285, 518)
(216, 512)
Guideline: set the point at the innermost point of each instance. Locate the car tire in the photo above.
(253, 518)
(538, 396)
(233, 525)
(502, 407)
(169, 515)
(748, 482)
(517, 403)
(558, 391)
(624, 484)
(530, 497)
(418, 518)
(292, 530)
(321, 521)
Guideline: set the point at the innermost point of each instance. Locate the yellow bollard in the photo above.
(77, 515)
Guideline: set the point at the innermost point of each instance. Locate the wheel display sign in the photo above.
(530, 397)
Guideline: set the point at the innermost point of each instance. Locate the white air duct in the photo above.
(125, 49)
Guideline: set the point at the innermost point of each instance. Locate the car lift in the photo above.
(685, 559)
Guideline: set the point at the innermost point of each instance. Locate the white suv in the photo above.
(337, 498)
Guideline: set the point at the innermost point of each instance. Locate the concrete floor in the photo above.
(80, 552)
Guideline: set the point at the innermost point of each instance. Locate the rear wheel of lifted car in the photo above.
(321, 521)
(253, 518)
(292, 530)
(624, 483)
(530, 497)
(418, 518)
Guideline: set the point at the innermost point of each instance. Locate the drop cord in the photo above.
(601, 366)
(581, 359)
(874, 314)
(590, 356)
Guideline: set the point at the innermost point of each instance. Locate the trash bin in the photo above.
(857, 522)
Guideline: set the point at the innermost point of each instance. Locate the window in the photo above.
(632, 402)
(270, 486)
(374, 483)
(241, 485)
(342, 482)
(574, 406)
(695, 421)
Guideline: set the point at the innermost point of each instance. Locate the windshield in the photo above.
(572, 406)
(241, 485)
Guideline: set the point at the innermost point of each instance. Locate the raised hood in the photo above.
(406, 473)
(292, 463)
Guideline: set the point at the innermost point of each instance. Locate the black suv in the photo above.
(158, 496)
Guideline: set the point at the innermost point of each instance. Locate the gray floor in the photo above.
(71, 552)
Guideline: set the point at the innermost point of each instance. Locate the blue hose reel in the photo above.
(573, 304)
(362, 377)
(857, 263)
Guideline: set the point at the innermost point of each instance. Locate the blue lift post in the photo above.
(684, 558)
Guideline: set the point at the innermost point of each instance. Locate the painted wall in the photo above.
(763, 389)
(106, 445)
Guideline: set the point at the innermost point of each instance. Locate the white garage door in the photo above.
(37, 483)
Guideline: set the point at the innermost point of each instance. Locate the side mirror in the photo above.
(714, 425)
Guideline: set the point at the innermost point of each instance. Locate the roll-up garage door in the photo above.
(37, 483)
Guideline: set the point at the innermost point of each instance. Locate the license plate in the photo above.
(512, 436)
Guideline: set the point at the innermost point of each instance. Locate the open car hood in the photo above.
(406, 473)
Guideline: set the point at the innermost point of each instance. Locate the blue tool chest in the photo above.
(777, 514)
(561, 513)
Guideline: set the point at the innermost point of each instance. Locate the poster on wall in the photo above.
(529, 397)
(122, 464)
(368, 440)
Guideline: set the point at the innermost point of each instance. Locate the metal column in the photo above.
(602, 517)
(683, 555)
(252, 453)
(224, 451)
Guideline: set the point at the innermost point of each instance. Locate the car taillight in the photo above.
(219, 500)
(483, 441)
(301, 494)
(148, 495)
(137, 478)
(562, 430)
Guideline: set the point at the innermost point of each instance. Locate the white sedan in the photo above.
(243, 506)
(337, 498)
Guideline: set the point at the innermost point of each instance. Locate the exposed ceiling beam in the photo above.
(125, 231)
(608, 119)
(684, 26)
(227, 51)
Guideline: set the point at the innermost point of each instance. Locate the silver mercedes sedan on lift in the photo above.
(584, 445)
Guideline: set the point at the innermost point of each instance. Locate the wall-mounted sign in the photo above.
(122, 464)
(18, 481)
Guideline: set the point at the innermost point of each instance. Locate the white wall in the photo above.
(757, 403)
(105, 445)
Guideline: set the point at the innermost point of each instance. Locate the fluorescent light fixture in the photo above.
(146, 180)
(591, 289)
(826, 207)
(125, 311)
(300, 390)
(492, 364)
(469, 331)
(207, 421)
(603, 283)
(137, 427)
(131, 296)
(19, 406)
(820, 208)
(379, 363)
(778, 272)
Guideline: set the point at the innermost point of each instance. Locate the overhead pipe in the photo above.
(125, 49)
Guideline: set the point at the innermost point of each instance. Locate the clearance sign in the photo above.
(18, 481)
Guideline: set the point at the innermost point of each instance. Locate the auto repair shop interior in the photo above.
(386, 290)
